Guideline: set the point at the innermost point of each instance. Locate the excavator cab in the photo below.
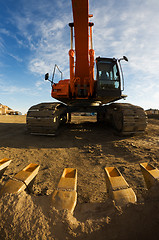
(108, 78)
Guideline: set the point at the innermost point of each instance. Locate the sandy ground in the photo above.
(89, 147)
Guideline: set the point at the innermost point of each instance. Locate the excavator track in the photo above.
(45, 118)
(127, 119)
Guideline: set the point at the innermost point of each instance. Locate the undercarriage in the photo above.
(46, 118)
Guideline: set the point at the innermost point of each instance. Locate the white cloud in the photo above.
(7, 89)
(16, 57)
(1, 45)
(46, 36)
(39, 84)
(4, 31)
(121, 28)
(131, 30)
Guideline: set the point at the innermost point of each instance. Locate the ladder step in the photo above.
(4, 163)
(21, 180)
(65, 196)
(150, 174)
(118, 188)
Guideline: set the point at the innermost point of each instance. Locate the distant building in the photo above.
(5, 110)
(152, 111)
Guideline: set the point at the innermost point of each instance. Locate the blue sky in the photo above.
(34, 35)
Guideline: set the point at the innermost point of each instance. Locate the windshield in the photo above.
(108, 74)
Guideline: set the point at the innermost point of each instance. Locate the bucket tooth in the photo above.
(68, 180)
(4, 163)
(65, 196)
(21, 180)
(150, 174)
(64, 200)
(118, 188)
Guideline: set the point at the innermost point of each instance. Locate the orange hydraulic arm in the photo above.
(82, 80)
(81, 83)
(80, 16)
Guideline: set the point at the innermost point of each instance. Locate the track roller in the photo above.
(128, 119)
(45, 118)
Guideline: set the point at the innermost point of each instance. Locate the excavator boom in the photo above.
(81, 82)
(80, 16)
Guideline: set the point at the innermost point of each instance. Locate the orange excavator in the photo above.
(82, 93)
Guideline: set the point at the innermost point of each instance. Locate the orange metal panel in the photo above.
(80, 16)
(61, 89)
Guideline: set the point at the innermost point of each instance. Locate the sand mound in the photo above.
(21, 218)
(27, 216)
(89, 148)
